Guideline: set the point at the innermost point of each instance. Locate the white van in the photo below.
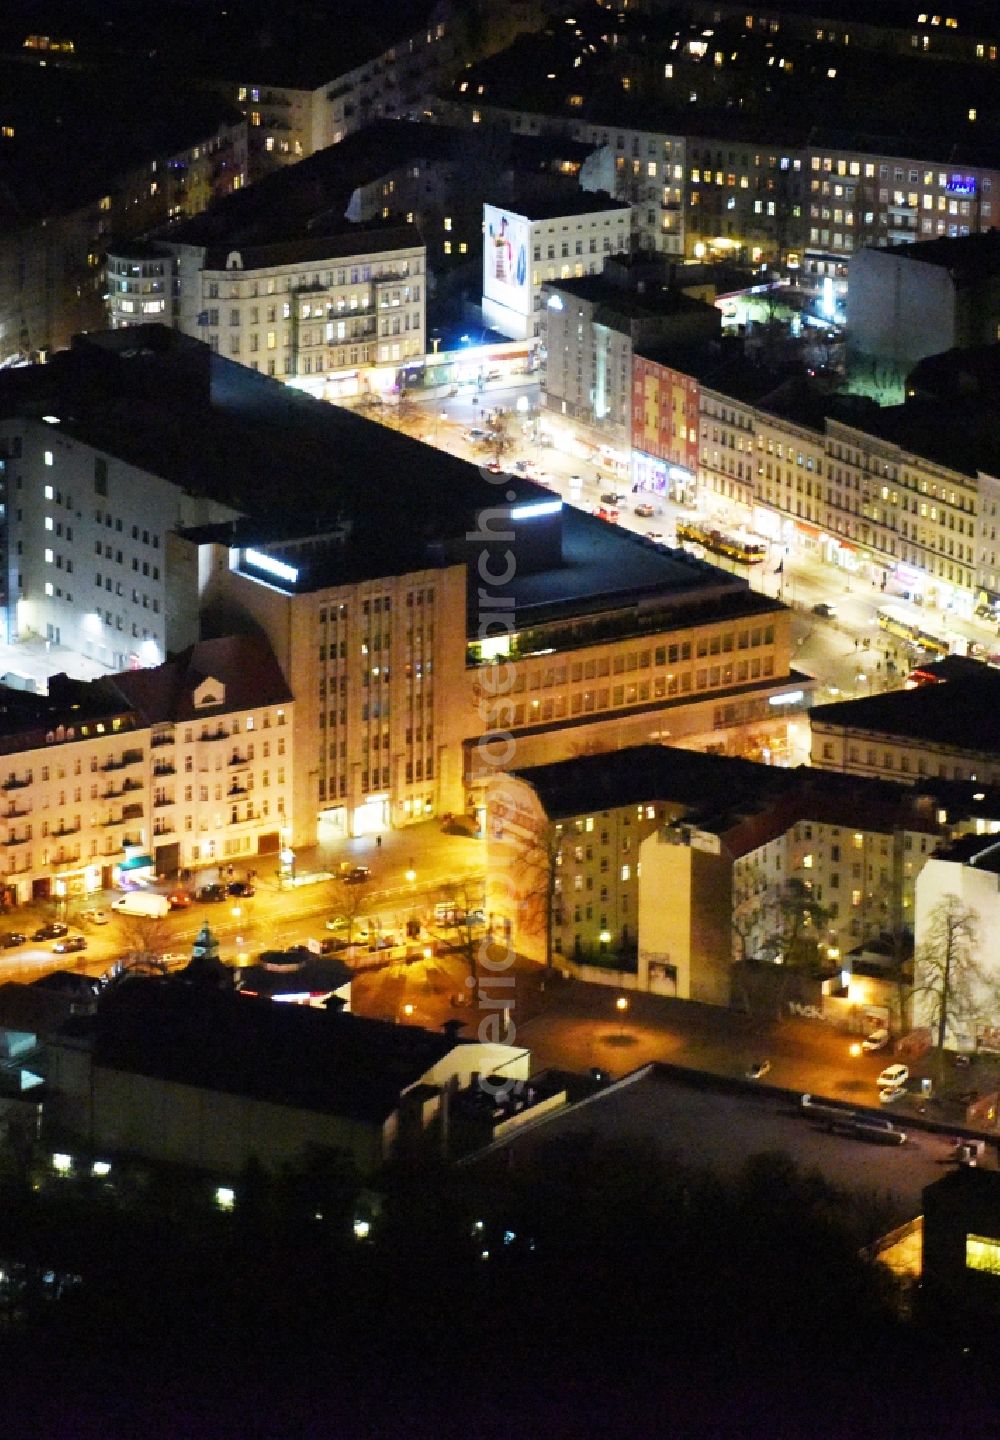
(142, 902)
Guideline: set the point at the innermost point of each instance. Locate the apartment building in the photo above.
(52, 273)
(665, 868)
(589, 330)
(87, 521)
(186, 764)
(799, 200)
(892, 492)
(324, 311)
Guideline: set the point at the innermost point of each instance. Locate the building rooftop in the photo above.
(584, 202)
(967, 258)
(958, 715)
(150, 119)
(288, 1054)
(743, 802)
(167, 405)
(959, 374)
(315, 194)
(644, 774)
(642, 300)
(237, 41)
(981, 852)
(247, 673)
(372, 239)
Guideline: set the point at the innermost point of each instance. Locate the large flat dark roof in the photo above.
(288, 1054)
(959, 713)
(167, 405)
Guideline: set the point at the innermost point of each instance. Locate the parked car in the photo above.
(179, 899)
(604, 513)
(876, 1040)
(758, 1069)
(94, 917)
(357, 875)
(12, 938)
(657, 537)
(893, 1075)
(645, 511)
(242, 889)
(69, 944)
(212, 894)
(889, 1093)
(612, 497)
(55, 930)
(822, 608)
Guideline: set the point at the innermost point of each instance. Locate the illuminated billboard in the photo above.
(506, 259)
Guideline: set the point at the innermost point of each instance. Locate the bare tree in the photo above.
(351, 903)
(537, 867)
(947, 973)
(798, 922)
(145, 934)
(464, 930)
(499, 439)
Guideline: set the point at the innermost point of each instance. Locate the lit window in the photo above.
(49, 458)
(447, 222)
(626, 872)
(807, 862)
(48, 522)
(982, 1253)
(49, 557)
(49, 492)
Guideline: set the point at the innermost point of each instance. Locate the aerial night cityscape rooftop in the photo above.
(499, 779)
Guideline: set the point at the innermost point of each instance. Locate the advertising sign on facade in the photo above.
(506, 261)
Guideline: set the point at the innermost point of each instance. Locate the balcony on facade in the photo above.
(66, 830)
(219, 734)
(13, 783)
(237, 759)
(160, 800)
(164, 767)
(162, 739)
(129, 757)
(17, 840)
(13, 813)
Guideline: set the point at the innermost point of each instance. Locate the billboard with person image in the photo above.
(506, 272)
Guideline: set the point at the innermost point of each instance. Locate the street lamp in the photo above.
(411, 875)
(408, 1010)
(621, 1005)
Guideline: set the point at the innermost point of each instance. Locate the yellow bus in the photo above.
(743, 549)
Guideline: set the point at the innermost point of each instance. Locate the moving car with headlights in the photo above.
(758, 1069)
(893, 1075)
(69, 945)
(876, 1040)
